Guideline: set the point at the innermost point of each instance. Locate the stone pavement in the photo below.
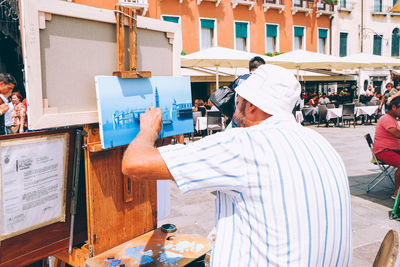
(194, 213)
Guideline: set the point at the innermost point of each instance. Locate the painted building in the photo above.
(361, 26)
(265, 26)
(250, 25)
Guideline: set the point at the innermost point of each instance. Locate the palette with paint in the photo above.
(154, 248)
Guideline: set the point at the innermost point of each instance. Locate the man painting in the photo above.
(282, 190)
(387, 139)
(7, 84)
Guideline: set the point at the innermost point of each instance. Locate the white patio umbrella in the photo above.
(218, 57)
(362, 61)
(301, 59)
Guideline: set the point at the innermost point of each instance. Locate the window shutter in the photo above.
(171, 19)
(322, 33)
(272, 30)
(207, 23)
(298, 31)
(377, 45)
(343, 44)
(241, 29)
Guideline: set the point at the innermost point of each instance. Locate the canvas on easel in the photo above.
(121, 101)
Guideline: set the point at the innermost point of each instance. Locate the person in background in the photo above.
(18, 114)
(7, 118)
(26, 117)
(324, 99)
(211, 105)
(387, 140)
(313, 102)
(201, 107)
(388, 95)
(195, 104)
(283, 196)
(7, 84)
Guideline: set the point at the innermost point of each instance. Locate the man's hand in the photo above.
(141, 160)
(150, 124)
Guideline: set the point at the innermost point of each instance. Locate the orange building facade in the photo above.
(223, 18)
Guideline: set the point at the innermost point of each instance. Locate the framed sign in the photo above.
(33, 177)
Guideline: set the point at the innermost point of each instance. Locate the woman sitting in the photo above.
(18, 114)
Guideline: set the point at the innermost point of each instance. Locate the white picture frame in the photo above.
(60, 96)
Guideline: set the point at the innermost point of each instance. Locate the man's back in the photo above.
(283, 195)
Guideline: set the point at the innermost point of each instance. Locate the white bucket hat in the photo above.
(272, 89)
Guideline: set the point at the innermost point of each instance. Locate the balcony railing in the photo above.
(274, 4)
(216, 1)
(324, 9)
(304, 6)
(143, 4)
(250, 3)
(9, 20)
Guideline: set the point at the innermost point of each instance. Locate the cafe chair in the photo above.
(214, 122)
(385, 173)
(330, 105)
(322, 113)
(388, 253)
(348, 114)
(196, 114)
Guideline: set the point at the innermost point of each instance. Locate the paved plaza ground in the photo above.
(194, 213)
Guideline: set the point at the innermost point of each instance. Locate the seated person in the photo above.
(313, 101)
(386, 142)
(201, 107)
(324, 99)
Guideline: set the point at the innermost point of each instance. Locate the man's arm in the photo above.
(141, 159)
(394, 131)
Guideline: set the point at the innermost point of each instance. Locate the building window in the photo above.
(207, 33)
(343, 44)
(272, 38)
(298, 42)
(241, 35)
(377, 45)
(174, 19)
(395, 43)
(343, 3)
(377, 5)
(322, 41)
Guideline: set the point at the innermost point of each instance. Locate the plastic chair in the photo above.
(348, 114)
(214, 121)
(382, 166)
(196, 114)
(388, 252)
(330, 105)
(322, 113)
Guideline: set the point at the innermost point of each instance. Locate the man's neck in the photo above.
(391, 113)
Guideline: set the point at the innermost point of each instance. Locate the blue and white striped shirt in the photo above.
(282, 194)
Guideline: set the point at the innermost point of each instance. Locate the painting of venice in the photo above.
(121, 101)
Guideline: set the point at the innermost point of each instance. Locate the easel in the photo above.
(118, 209)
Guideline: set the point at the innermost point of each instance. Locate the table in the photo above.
(310, 111)
(333, 113)
(366, 110)
(201, 123)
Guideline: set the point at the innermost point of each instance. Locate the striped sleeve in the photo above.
(212, 163)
